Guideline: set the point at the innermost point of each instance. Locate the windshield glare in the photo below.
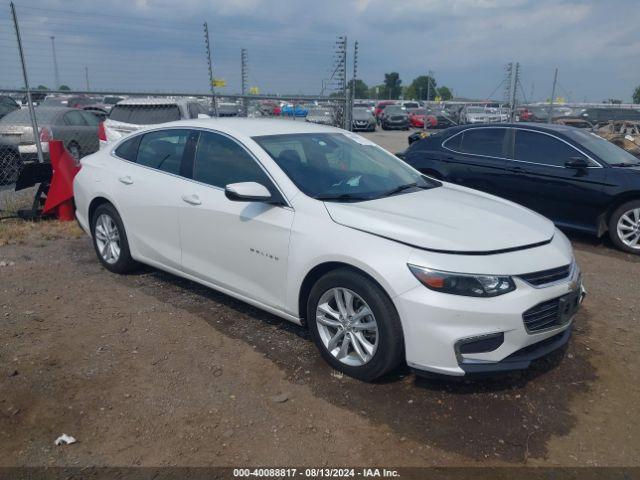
(604, 149)
(339, 166)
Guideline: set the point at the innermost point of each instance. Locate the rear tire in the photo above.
(624, 227)
(110, 240)
(369, 353)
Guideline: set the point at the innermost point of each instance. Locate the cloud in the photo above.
(290, 42)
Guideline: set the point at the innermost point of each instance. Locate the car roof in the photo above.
(153, 101)
(543, 127)
(254, 127)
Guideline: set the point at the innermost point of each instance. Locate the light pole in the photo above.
(55, 64)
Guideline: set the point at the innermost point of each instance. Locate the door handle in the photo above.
(191, 199)
(127, 180)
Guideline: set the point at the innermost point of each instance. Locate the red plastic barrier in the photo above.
(60, 196)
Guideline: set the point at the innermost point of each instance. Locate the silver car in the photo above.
(77, 129)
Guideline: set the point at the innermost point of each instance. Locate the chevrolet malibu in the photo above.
(322, 227)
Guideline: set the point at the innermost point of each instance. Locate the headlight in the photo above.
(463, 284)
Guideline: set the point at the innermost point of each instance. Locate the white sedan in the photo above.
(326, 229)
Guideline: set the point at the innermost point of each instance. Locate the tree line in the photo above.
(423, 87)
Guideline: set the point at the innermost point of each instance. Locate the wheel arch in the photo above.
(603, 223)
(319, 271)
(95, 203)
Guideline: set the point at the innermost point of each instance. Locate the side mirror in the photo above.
(247, 192)
(576, 162)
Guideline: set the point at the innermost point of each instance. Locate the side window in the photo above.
(129, 150)
(483, 141)
(90, 118)
(193, 110)
(454, 142)
(220, 161)
(74, 118)
(163, 150)
(537, 147)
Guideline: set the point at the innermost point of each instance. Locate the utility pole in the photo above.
(86, 77)
(514, 92)
(214, 104)
(429, 73)
(56, 73)
(347, 115)
(244, 75)
(355, 70)
(32, 112)
(553, 94)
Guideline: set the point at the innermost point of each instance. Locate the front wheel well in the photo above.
(315, 274)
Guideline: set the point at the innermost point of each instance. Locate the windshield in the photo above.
(604, 149)
(394, 110)
(362, 113)
(341, 166)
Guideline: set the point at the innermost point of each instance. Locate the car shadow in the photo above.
(508, 417)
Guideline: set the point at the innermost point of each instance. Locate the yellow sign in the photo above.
(254, 91)
(219, 82)
(438, 98)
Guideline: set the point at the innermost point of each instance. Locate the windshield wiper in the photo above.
(402, 188)
(341, 197)
(624, 164)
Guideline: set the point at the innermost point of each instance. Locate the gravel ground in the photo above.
(149, 369)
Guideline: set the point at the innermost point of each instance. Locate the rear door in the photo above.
(539, 179)
(476, 158)
(149, 181)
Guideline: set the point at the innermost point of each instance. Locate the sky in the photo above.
(158, 45)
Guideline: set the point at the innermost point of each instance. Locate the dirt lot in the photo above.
(149, 369)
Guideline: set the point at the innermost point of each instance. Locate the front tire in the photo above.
(355, 325)
(110, 240)
(624, 227)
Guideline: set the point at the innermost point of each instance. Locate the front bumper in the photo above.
(436, 324)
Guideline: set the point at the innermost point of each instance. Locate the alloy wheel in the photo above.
(107, 238)
(629, 228)
(347, 326)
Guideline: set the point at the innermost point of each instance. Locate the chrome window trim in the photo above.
(112, 152)
(597, 164)
(474, 154)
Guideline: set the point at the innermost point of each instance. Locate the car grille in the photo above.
(551, 313)
(396, 119)
(545, 277)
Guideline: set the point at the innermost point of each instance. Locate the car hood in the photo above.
(447, 219)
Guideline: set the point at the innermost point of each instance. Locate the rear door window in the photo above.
(74, 118)
(489, 142)
(128, 150)
(163, 150)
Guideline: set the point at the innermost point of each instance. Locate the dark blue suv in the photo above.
(572, 176)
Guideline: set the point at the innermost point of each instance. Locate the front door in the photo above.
(240, 246)
(539, 179)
